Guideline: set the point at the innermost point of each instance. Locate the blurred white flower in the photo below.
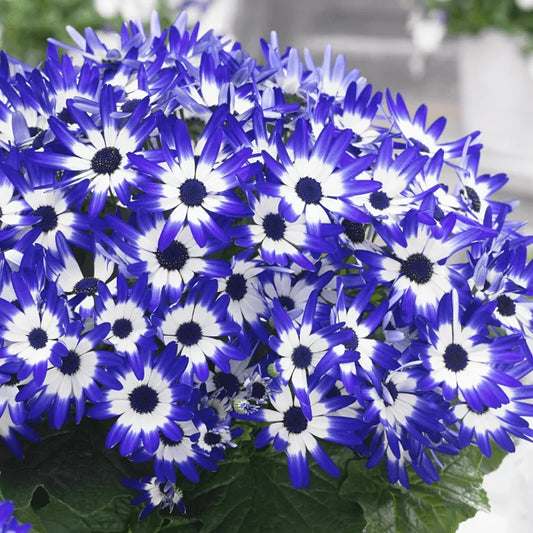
(107, 8)
(427, 30)
(526, 5)
(128, 10)
(137, 9)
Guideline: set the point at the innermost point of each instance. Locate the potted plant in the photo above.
(243, 292)
(495, 40)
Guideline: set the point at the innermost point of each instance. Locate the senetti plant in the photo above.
(225, 280)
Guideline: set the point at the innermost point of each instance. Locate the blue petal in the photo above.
(298, 469)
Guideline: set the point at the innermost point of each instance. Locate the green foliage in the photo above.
(70, 482)
(27, 24)
(437, 508)
(474, 16)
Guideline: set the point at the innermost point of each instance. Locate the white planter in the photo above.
(496, 98)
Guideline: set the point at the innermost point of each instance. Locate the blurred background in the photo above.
(468, 60)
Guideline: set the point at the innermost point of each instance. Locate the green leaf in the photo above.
(437, 508)
(69, 482)
(253, 492)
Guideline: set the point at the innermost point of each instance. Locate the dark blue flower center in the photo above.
(294, 420)
(37, 338)
(506, 306)
(143, 399)
(189, 333)
(192, 192)
(473, 196)
(87, 286)
(173, 257)
(13, 380)
(122, 327)
(48, 217)
(228, 382)
(106, 160)
(274, 226)
(355, 231)
(417, 268)
(309, 190)
(286, 302)
(236, 286)
(70, 364)
(129, 105)
(167, 442)
(379, 200)
(258, 390)
(301, 356)
(212, 439)
(455, 357)
(438, 213)
(393, 391)
(65, 116)
(420, 145)
(353, 343)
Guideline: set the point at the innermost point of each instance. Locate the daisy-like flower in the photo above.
(31, 326)
(398, 406)
(279, 239)
(191, 190)
(181, 453)
(155, 493)
(392, 200)
(246, 303)
(415, 132)
(169, 269)
(99, 166)
(370, 352)
(295, 433)
(132, 43)
(357, 235)
(223, 385)
(13, 418)
(130, 332)
(474, 191)
(327, 80)
(301, 348)
(416, 269)
(50, 208)
(146, 407)
(78, 368)
(257, 389)
(496, 423)
(199, 326)
(358, 112)
(214, 439)
(314, 183)
(292, 295)
(67, 82)
(504, 274)
(79, 287)
(288, 70)
(439, 202)
(14, 211)
(462, 359)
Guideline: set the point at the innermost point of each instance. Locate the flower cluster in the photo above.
(193, 242)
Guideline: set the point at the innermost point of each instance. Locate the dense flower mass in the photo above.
(192, 241)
